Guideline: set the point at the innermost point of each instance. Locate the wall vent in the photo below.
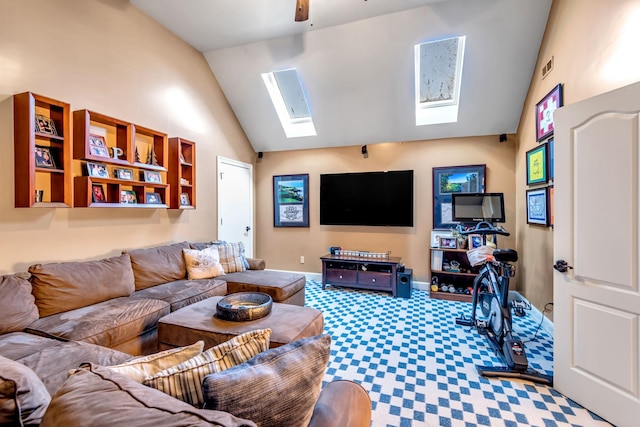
(546, 69)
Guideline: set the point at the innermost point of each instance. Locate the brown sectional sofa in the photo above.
(102, 312)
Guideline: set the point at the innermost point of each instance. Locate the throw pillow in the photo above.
(231, 257)
(23, 397)
(17, 305)
(292, 374)
(184, 381)
(141, 367)
(203, 264)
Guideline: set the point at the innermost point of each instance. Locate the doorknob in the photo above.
(562, 266)
(248, 228)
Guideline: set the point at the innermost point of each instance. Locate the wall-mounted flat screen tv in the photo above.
(367, 198)
(476, 207)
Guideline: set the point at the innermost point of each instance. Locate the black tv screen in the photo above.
(367, 198)
(475, 207)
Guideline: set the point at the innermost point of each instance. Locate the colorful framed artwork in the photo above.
(551, 207)
(550, 147)
(537, 165)
(291, 200)
(538, 206)
(544, 112)
(449, 180)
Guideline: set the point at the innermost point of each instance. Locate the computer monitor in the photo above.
(476, 207)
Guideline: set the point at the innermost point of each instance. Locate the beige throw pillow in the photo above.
(203, 264)
(184, 381)
(141, 367)
(232, 257)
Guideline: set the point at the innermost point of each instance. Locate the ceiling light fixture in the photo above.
(302, 10)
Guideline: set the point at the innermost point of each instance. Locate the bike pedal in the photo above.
(519, 311)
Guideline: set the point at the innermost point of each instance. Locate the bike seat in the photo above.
(505, 255)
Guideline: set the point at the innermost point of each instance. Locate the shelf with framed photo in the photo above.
(111, 188)
(451, 273)
(181, 173)
(42, 151)
(101, 138)
(151, 148)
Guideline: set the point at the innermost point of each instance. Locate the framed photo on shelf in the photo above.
(448, 243)
(151, 176)
(98, 146)
(128, 197)
(544, 112)
(44, 159)
(475, 241)
(291, 200)
(537, 165)
(449, 180)
(97, 194)
(184, 199)
(153, 198)
(97, 170)
(45, 125)
(538, 206)
(126, 174)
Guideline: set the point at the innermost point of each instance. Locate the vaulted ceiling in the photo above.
(355, 59)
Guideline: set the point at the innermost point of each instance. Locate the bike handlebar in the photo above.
(483, 228)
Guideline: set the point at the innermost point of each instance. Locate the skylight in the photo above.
(438, 69)
(289, 100)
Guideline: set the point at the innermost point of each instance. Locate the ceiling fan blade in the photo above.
(302, 10)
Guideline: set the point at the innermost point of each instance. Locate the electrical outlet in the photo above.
(301, 259)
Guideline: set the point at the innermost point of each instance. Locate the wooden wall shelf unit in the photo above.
(377, 274)
(54, 181)
(129, 139)
(463, 279)
(182, 172)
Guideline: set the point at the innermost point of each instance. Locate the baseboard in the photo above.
(547, 325)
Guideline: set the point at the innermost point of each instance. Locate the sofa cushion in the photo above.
(107, 323)
(23, 397)
(141, 367)
(162, 264)
(53, 363)
(202, 264)
(65, 286)
(181, 293)
(232, 257)
(17, 304)
(292, 374)
(98, 397)
(218, 243)
(184, 381)
(281, 285)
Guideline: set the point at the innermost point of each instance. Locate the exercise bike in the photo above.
(491, 294)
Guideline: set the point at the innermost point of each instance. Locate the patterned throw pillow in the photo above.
(292, 374)
(204, 264)
(184, 381)
(232, 257)
(141, 367)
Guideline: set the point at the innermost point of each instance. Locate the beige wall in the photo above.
(594, 45)
(282, 247)
(106, 56)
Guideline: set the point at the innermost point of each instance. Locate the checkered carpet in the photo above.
(419, 366)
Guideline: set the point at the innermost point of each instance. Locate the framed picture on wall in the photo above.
(544, 112)
(537, 165)
(449, 180)
(291, 200)
(538, 206)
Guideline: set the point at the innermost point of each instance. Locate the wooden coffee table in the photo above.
(199, 322)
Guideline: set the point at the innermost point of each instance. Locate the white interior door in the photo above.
(597, 303)
(235, 202)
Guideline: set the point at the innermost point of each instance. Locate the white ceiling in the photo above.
(355, 60)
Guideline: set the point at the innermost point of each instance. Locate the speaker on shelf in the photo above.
(404, 281)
